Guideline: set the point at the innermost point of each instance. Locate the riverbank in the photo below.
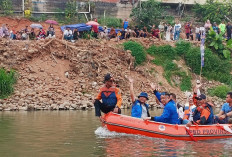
(58, 75)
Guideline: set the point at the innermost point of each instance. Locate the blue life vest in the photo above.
(109, 96)
(196, 115)
(136, 110)
(211, 117)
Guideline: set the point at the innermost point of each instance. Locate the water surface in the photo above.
(79, 134)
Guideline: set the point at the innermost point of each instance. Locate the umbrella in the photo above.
(52, 22)
(35, 25)
(92, 23)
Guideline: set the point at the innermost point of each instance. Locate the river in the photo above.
(79, 134)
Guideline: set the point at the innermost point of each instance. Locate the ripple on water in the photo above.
(103, 132)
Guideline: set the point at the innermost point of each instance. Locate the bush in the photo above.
(152, 50)
(219, 91)
(171, 69)
(215, 68)
(193, 59)
(7, 80)
(137, 51)
(111, 22)
(148, 13)
(165, 52)
(186, 84)
(170, 66)
(7, 7)
(213, 10)
(182, 47)
(157, 61)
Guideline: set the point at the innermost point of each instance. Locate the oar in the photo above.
(190, 134)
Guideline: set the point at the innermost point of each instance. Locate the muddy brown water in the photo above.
(79, 134)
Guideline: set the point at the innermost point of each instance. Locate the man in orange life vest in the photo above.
(203, 114)
(110, 96)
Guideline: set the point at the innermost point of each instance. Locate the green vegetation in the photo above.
(6, 6)
(110, 22)
(182, 47)
(164, 56)
(137, 51)
(150, 12)
(219, 91)
(7, 80)
(43, 17)
(70, 10)
(213, 10)
(216, 41)
(215, 68)
(87, 35)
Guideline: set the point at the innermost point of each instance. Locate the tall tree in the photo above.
(148, 13)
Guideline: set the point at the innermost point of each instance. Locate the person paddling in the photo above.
(139, 108)
(110, 96)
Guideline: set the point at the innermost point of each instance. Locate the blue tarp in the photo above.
(80, 27)
(84, 27)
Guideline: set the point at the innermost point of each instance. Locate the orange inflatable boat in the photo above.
(131, 125)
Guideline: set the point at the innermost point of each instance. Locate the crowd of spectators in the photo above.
(26, 34)
(164, 31)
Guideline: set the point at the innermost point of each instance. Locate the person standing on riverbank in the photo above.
(110, 96)
(139, 108)
(177, 29)
(125, 24)
(222, 28)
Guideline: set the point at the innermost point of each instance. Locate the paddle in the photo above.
(190, 134)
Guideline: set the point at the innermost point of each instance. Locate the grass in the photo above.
(137, 50)
(219, 91)
(7, 81)
(164, 56)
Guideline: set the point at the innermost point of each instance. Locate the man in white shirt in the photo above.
(177, 28)
(197, 31)
(68, 34)
(202, 31)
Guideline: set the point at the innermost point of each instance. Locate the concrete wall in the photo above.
(183, 1)
(17, 5)
(116, 8)
(110, 7)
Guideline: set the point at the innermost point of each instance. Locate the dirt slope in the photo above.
(55, 74)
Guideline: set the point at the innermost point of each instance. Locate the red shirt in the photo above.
(187, 28)
(155, 32)
(95, 28)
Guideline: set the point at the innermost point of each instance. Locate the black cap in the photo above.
(107, 77)
(201, 97)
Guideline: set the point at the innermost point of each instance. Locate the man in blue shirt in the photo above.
(140, 109)
(226, 111)
(169, 114)
(125, 24)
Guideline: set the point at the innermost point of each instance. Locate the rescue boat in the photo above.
(130, 125)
